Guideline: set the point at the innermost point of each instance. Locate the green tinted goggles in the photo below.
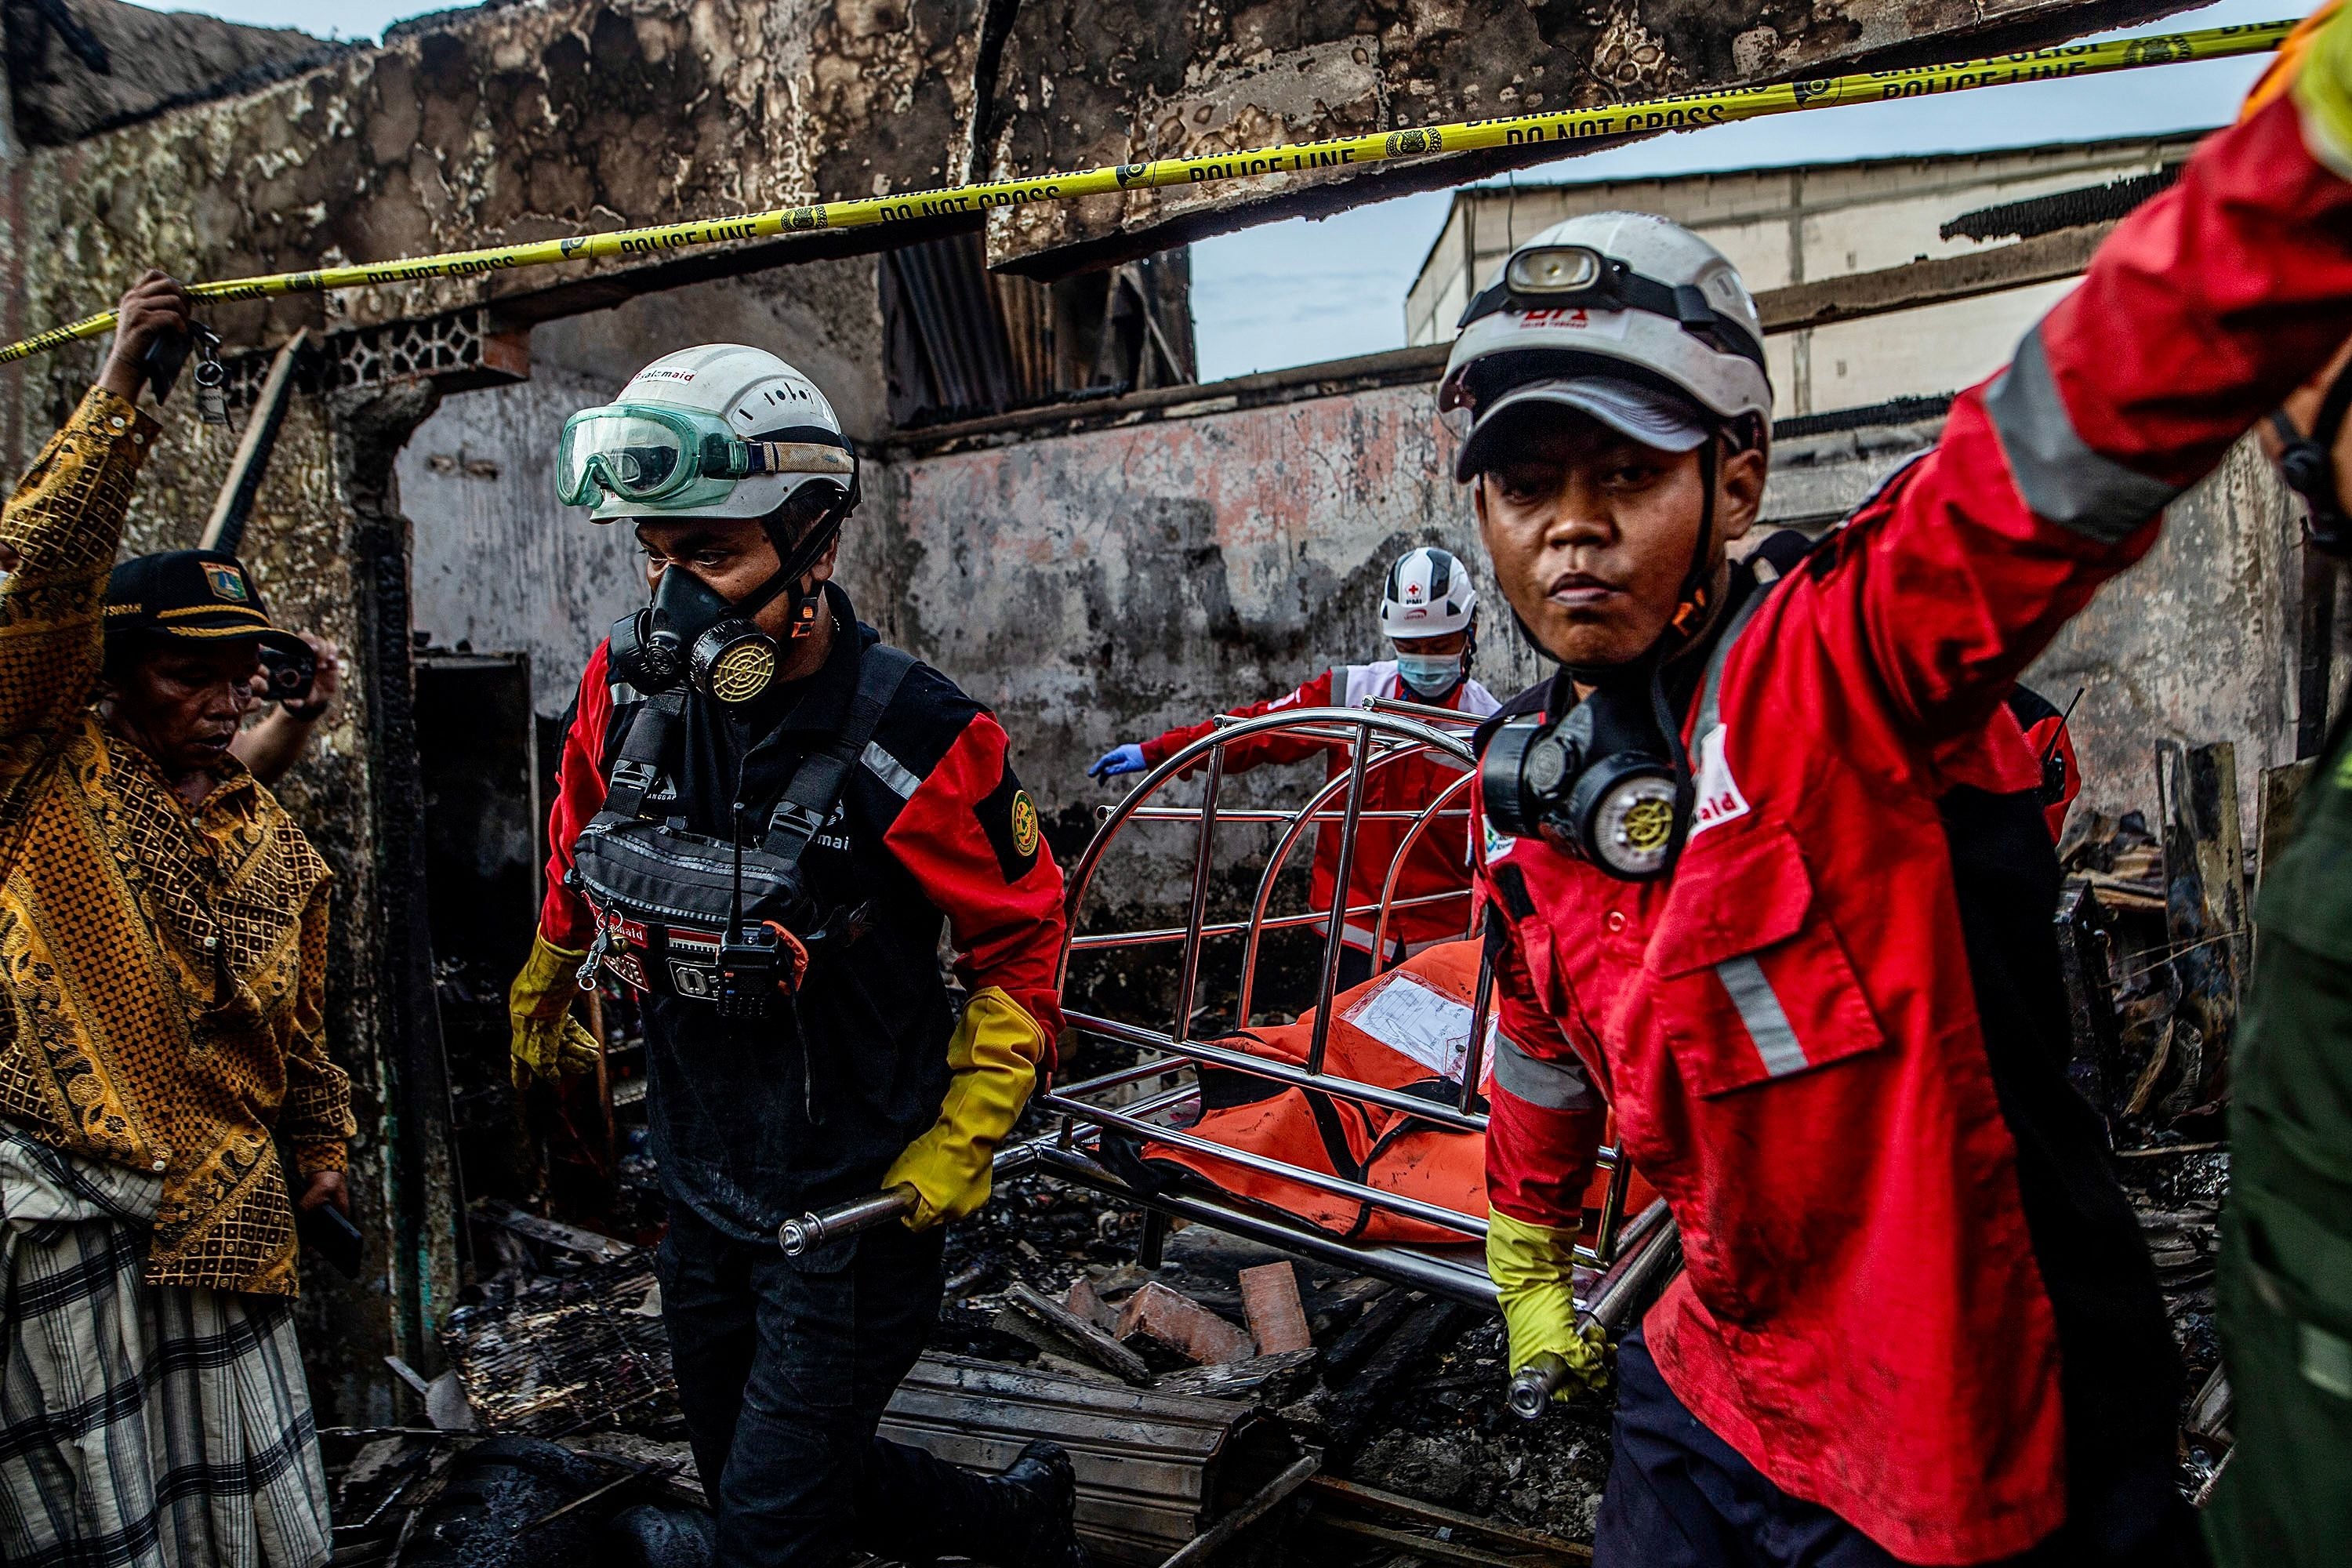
(675, 458)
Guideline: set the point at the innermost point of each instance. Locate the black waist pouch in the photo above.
(663, 897)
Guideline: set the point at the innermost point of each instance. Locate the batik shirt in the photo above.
(163, 969)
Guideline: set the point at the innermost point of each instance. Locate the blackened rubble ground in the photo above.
(1438, 1430)
(1445, 1436)
(2178, 1199)
(1450, 1440)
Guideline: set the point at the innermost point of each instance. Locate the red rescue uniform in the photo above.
(1437, 871)
(1914, 1294)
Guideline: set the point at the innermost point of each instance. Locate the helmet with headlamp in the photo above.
(1625, 294)
(723, 431)
(1639, 324)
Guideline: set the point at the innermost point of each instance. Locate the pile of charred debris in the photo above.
(1224, 1401)
(1231, 1404)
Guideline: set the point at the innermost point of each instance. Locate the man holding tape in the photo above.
(163, 945)
(1780, 881)
(766, 819)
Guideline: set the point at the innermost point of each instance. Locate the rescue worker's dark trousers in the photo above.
(783, 1366)
(1680, 1497)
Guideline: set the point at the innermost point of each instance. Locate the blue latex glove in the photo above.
(1127, 759)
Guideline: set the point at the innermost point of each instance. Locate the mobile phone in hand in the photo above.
(336, 1238)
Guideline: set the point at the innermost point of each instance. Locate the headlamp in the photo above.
(1554, 269)
(1557, 277)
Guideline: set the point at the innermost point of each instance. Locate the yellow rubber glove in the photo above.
(1533, 1268)
(549, 1041)
(994, 1056)
(2322, 90)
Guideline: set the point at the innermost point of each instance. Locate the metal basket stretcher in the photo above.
(1617, 1259)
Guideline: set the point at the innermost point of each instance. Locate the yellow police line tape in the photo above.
(1688, 112)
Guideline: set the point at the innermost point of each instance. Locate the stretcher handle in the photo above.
(1532, 1388)
(1653, 1252)
(797, 1236)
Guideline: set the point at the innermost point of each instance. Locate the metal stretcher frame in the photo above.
(1381, 733)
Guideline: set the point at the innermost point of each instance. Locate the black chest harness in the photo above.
(674, 907)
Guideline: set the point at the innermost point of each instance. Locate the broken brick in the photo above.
(1277, 1319)
(1085, 1302)
(1184, 1326)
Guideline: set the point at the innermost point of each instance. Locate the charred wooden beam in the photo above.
(2205, 909)
(1092, 82)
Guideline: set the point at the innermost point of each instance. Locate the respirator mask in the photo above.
(1605, 781)
(692, 633)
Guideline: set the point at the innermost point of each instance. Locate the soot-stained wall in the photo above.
(1099, 586)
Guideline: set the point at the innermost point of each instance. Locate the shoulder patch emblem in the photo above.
(1008, 818)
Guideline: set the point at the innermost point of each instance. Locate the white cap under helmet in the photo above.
(1427, 595)
(1633, 302)
(756, 399)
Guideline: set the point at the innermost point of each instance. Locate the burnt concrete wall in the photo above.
(1096, 82)
(493, 126)
(2196, 643)
(1098, 587)
(72, 70)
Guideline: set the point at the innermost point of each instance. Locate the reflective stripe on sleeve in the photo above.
(891, 771)
(1550, 1085)
(2061, 477)
(1761, 1011)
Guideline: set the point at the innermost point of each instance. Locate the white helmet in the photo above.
(1427, 595)
(722, 430)
(1630, 300)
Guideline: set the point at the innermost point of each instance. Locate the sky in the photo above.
(1300, 291)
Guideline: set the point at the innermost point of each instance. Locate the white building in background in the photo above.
(1804, 223)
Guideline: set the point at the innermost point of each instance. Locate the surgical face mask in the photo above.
(1430, 675)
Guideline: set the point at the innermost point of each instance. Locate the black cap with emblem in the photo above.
(202, 595)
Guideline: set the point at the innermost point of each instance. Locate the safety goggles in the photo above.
(1576, 276)
(674, 459)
